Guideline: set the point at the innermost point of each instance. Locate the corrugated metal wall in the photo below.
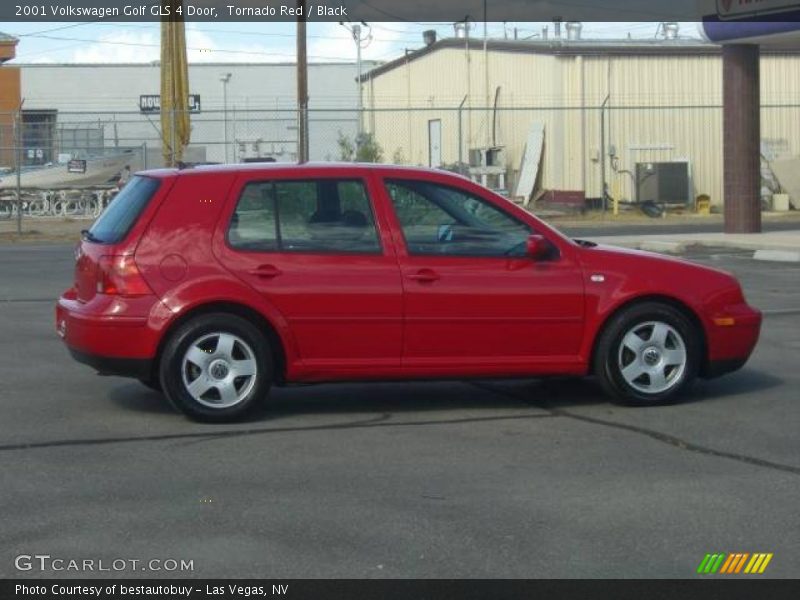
(660, 108)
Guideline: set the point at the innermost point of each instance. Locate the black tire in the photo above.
(250, 345)
(652, 209)
(612, 354)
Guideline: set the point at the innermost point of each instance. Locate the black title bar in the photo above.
(321, 589)
(412, 11)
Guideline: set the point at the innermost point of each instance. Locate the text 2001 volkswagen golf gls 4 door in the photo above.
(213, 284)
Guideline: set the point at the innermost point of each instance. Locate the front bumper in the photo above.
(732, 336)
(718, 368)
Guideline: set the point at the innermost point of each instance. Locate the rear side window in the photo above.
(325, 215)
(119, 217)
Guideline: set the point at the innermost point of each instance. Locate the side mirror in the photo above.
(536, 246)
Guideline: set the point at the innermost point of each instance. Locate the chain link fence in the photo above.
(582, 149)
(69, 164)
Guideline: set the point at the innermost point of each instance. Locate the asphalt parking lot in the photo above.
(433, 480)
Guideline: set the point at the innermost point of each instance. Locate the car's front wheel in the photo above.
(216, 367)
(648, 354)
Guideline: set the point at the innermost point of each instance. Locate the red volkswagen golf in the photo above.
(215, 283)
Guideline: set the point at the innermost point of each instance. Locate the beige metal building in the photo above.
(644, 101)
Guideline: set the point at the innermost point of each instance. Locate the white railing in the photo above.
(73, 203)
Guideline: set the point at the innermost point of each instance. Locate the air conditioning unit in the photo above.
(664, 182)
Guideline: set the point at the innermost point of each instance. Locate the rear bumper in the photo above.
(106, 335)
(139, 368)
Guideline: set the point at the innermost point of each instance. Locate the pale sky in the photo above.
(107, 42)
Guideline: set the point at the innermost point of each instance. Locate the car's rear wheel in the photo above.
(648, 354)
(216, 367)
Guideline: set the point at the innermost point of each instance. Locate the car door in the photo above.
(474, 301)
(314, 248)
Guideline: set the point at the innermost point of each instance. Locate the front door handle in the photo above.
(425, 276)
(266, 271)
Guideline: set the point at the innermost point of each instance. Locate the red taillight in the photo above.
(119, 276)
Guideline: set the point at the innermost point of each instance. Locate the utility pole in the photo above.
(302, 85)
(18, 138)
(487, 99)
(603, 195)
(361, 43)
(224, 79)
(360, 99)
(741, 130)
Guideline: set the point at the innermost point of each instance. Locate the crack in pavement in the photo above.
(656, 435)
(383, 421)
(380, 421)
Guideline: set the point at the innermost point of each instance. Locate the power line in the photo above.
(59, 49)
(257, 34)
(57, 28)
(146, 45)
(231, 31)
(44, 34)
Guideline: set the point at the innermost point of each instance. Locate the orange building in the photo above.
(9, 98)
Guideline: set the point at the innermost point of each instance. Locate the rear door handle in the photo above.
(266, 271)
(425, 276)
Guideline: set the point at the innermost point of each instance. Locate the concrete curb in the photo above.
(778, 255)
(781, 312)
(784, 246)
(663, 246)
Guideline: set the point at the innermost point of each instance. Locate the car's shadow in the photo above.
(745, 381)
(419, 397)
(563, 393)
(135, 397)
(344, 398)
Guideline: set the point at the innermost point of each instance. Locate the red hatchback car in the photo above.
(214, 283)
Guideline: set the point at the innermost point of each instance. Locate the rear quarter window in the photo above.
(125, 209)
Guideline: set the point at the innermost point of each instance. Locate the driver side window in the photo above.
(440, 220)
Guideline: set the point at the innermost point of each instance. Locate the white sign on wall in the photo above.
(151, 103)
